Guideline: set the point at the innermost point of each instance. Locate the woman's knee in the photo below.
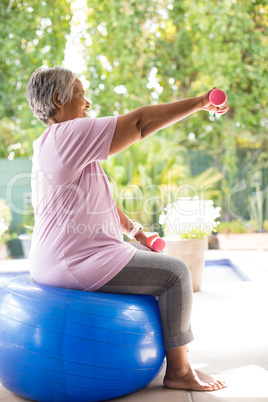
(180, 270)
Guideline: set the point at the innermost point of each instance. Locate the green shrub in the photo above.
(5, 213)
(233, 227)
(265, 225)
(28, 222)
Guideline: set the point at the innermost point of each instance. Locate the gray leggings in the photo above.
(160, 275)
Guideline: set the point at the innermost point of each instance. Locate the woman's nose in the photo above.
(88, 103)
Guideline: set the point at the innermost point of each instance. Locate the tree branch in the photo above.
(10, 5)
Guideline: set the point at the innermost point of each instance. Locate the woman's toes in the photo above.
(207, 387)
(218, 383)
(214, 386)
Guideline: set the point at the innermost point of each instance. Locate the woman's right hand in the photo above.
(206, 105)
(144, 240)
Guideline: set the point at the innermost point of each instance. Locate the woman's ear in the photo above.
(56, 101)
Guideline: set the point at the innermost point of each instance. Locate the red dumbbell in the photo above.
(218, 98)
(156, 243)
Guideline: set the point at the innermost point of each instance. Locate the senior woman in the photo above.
(77, 238)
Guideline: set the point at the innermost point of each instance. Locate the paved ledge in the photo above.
(243, 241)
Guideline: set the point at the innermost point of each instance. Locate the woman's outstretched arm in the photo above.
(156, 117)
(146, 120)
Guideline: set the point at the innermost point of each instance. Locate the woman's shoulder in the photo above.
(77, 123)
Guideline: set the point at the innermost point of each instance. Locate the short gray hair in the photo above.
(43, 84)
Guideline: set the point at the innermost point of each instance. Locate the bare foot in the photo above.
(193, 380)
(208, 379)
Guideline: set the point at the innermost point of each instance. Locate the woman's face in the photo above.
(77, 107)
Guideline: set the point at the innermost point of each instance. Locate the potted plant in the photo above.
(187, 224)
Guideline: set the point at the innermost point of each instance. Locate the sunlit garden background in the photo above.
(130, 53)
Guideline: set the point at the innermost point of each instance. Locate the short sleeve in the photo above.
(83, 140)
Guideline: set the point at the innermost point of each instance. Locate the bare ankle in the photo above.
(178, 372)
(177, 362)
(183, 371)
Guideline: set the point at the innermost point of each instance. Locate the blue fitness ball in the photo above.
(68, 345)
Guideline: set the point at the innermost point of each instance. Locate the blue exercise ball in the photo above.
(68, 345)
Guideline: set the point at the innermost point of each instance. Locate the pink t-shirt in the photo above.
(77, 238)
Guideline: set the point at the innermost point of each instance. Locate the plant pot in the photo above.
(192, 252)
(26, 241)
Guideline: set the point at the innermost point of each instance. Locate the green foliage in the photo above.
(194, 234)
(26, 225)
(32, 34)
(192, 45)
(233, 227)
(5, 213)
(120, 54)
(145, 179)
(165, 51)
(146, 52)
